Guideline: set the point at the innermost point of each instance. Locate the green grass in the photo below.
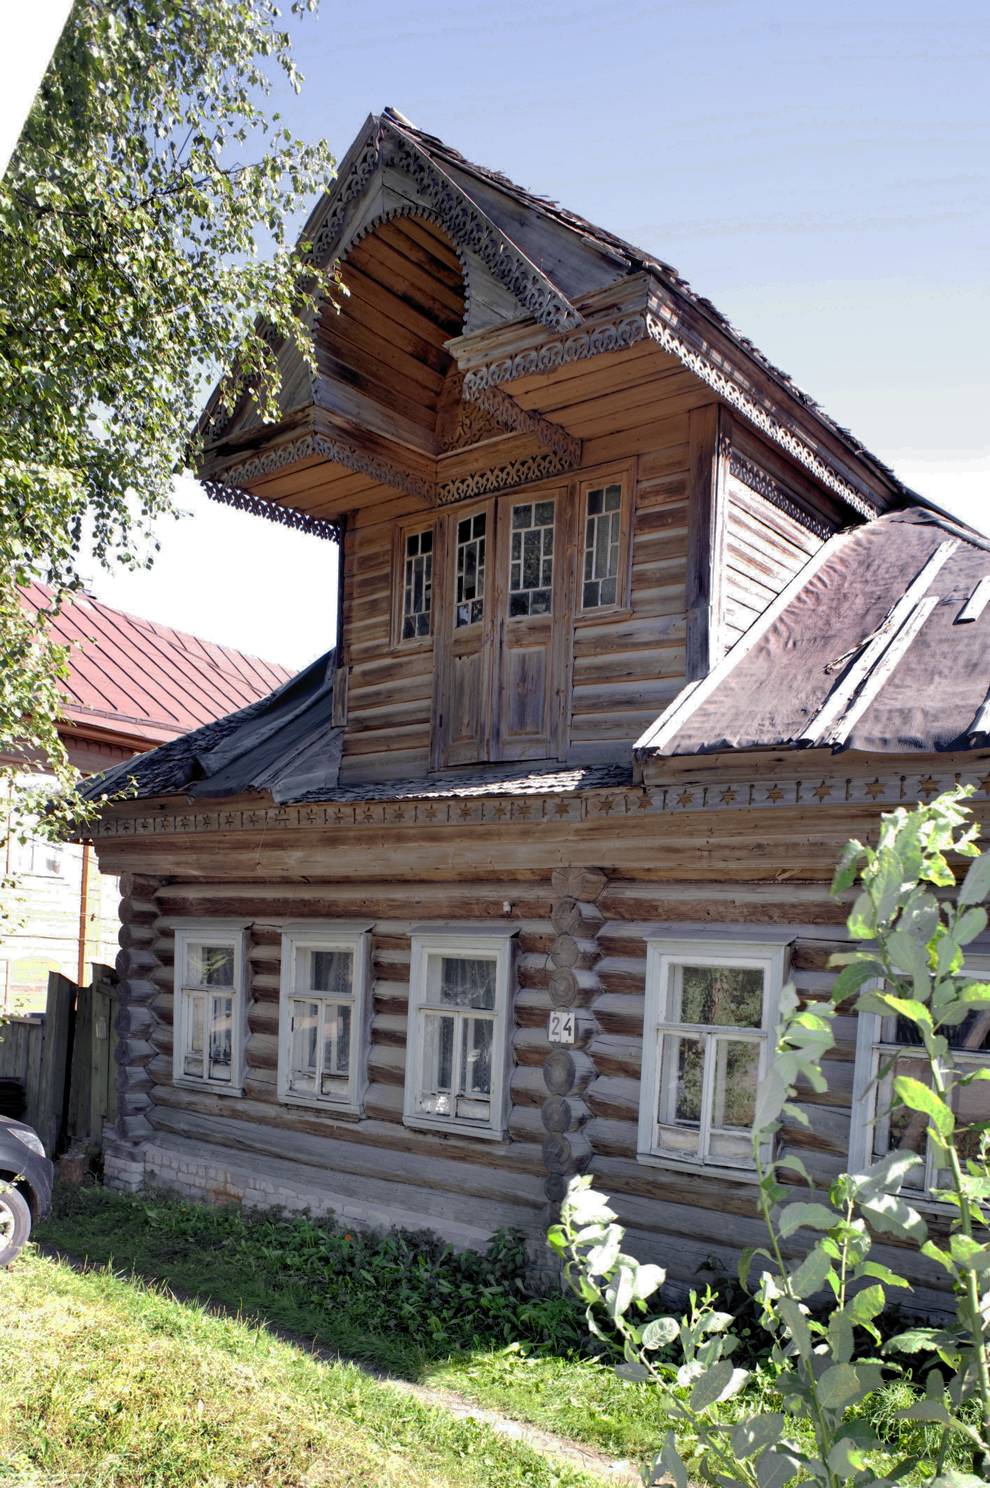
(109, 1384)
(409, 1305)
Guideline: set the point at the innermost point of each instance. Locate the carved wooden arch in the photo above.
(397, 214)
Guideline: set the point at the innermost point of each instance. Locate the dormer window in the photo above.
(605, 545)
(469, 570)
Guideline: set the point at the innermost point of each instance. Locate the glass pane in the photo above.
(330, 971)
(726, 996)
(305, 1045)
(221, 1037)
(336, 1048)
(465, 981)
(898, 1127)
(210, 966)
(195, 1035)
(470, 570)
(522, 516)
(476, 1055)
(682, 1068)
(734, 1094)
(438, 1065)
(543, 517)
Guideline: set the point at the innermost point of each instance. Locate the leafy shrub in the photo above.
(834, 1370)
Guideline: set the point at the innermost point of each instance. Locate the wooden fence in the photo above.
(62, 1061)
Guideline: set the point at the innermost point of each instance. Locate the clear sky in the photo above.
(820, 172)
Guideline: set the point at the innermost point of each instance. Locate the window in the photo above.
(531, 558)
(210, 1022)
(469, 570)
(322, 1018)
(457, 1046)
(891, 1046)
(417, 585)
(603, 581)
(710, 1009)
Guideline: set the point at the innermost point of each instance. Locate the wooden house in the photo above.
(632, 638)
(132, 684)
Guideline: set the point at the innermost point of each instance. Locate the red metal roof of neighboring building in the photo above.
(146, 682)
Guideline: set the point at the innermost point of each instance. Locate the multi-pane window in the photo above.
(417, 584)
(891, 1046)
(531, 558)
(709, 1011)
(321, 1025)
(469, 570)
(602, 533)
(457, 1045)
(209, 1007)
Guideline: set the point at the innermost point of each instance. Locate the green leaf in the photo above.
(975, 886)
(774, 1468)
(805, 1216)
(659, 1332)
(867, 1304)
(632, 1372)
(646, 1281)
(882, 1273)
(838, 1386)
(811, 1274)
(796, 1324)
(891, 1215)
(670, 1461)
(720, 1382)
(920, 1098)
(756, 1433)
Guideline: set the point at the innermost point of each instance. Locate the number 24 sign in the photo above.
(562, 1026)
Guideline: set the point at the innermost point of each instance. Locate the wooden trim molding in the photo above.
(705, 584)
(273, 511)
(661, 321)
(773, 792)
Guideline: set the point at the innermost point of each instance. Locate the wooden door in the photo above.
(462, 700)
(530, 592)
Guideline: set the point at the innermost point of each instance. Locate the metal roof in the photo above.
(880, 644)
(141, 680)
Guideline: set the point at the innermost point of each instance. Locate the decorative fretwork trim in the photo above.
(287, 516)
(757, 479)
(614, 336)
(770, 793)
(522, 472)
(444, 203)
(522, 420)
(270, 461)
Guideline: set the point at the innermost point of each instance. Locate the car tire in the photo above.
(15, 1222)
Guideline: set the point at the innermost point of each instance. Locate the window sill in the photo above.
(331, 1108)
(412, 646)
(453, 1128)
(186, 1082)
(697, 1169)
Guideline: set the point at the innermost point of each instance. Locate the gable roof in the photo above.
(568, 288)
(142, 681)
(880, 644)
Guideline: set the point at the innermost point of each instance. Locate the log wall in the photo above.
(583, 896)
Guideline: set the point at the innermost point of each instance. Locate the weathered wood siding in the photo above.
(710, 842)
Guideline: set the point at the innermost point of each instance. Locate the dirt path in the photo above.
(560, 1448)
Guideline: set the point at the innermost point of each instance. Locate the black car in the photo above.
(25, 1185)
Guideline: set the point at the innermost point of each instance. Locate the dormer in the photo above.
(563, 483)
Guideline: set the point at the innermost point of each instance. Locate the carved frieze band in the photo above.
(505, 477)
(757, 479)
(595, 340)
(286, 516)
(523, 421)
(534, 810)
(270, 461)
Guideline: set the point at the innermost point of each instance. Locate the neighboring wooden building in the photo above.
(429, 931)
(133, 684)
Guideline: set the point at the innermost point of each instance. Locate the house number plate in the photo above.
(561, 1028)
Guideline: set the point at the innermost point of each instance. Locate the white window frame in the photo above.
(479, 942)
(326, 935)
(871, 1049)
(225, 933)
(662, 955)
